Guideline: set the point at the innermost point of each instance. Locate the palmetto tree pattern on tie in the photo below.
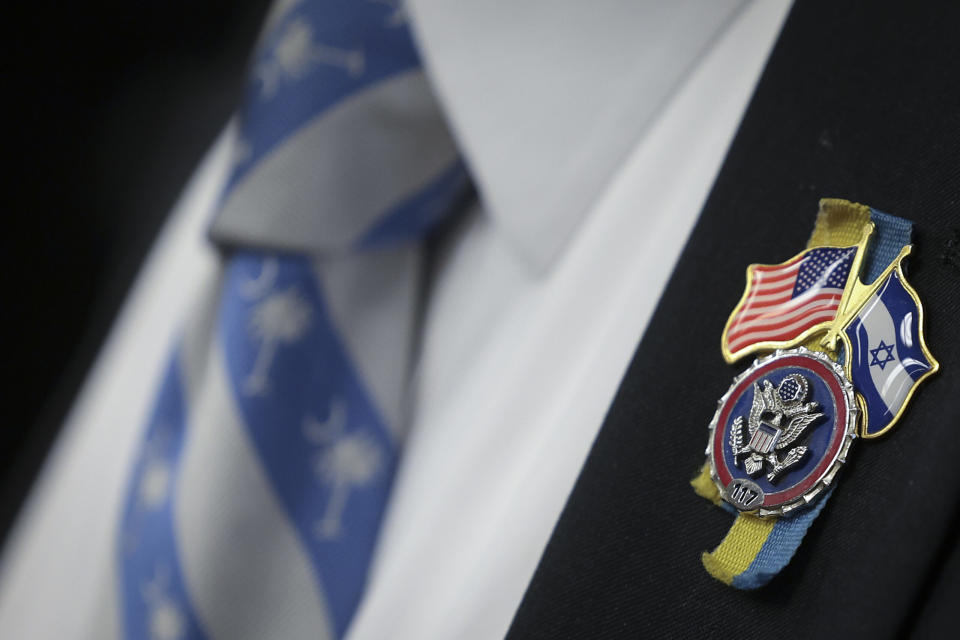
(343, 461)
(166, 621)
(155, 484)
(331, 474)
(297, 53)
(155, 603)
(281, 318)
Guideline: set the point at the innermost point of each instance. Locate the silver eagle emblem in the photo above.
(778, 417)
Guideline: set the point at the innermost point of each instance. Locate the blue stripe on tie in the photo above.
(324, 446)
(155, 603)
(319, 53)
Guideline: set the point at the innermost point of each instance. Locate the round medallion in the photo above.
(781, 432)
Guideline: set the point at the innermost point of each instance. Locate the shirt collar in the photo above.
(546, 98)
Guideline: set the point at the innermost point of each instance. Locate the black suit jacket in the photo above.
(859, 102)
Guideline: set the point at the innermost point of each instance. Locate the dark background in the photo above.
(113, 106)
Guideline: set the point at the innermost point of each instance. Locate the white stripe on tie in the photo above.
(371, 299)
(255, 580)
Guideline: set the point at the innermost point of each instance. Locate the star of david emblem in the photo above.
(881, 361)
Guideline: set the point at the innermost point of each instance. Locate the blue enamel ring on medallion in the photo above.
(781, 432)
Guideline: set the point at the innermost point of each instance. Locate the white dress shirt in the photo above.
(594, 132)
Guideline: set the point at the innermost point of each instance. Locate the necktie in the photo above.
(254, 506)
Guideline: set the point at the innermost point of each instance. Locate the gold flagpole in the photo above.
(856, 296)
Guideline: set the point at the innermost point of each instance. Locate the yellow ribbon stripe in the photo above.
(705, 487)
(737, 551)
(742, 543)
(839, 224)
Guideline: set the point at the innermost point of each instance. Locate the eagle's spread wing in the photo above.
(796, 427)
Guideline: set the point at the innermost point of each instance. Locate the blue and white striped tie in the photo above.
(254, 506)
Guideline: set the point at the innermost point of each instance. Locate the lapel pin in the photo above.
(837, 333)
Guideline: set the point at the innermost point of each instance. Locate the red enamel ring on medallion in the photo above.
(781, 432)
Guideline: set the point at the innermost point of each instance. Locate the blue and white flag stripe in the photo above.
(886, 350)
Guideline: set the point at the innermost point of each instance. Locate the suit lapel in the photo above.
(857, 102)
